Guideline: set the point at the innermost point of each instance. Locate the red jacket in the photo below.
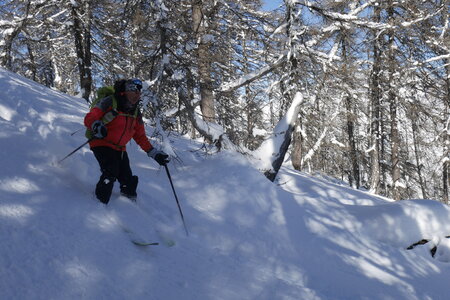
(121, 129)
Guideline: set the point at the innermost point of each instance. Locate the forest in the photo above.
(370, 80)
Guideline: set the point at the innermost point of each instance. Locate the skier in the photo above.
(113, 121)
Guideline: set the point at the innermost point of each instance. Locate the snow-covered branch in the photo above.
(350, 17)
(319, 141)
(249, 78)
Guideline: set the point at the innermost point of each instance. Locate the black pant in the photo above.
(114, 165)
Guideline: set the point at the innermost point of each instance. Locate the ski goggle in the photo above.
(133, 85)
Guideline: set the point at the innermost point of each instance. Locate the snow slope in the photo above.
(305, 238)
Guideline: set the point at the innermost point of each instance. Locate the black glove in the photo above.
(99, 130)
(160, 156)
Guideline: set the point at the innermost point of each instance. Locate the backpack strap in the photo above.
(110, 115)
(129, 115)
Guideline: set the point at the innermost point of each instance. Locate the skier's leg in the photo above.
(128, 182)
(109, 166)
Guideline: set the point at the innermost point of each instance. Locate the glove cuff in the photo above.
(152, 153)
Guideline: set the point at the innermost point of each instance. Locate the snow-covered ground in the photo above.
(303, 238)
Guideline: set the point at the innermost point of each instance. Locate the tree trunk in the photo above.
(395, 144)
(446, 164)
(353, 152)
(203, 62)
(82, 37)
(444, 17)
(415, 130)
(276, 164)
(186, 97)
(32, 66)
(354, 178)
(375, 99)
(273, 150)
(294, 80)
(395, 136)
(297, 143)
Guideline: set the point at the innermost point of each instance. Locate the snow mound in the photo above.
(300, 238)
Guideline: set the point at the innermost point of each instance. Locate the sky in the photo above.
(301, 237)
(271, 4)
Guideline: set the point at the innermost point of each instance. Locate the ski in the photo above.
(135, 239)
(139, 241)
(142, 243)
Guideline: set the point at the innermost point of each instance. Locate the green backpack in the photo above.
(103, 92)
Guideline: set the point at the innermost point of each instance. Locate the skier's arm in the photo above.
(140, 137)
(95, 114)
(98, 111)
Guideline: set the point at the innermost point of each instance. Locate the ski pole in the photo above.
(75, 150)
(176, 198)
(76, 131)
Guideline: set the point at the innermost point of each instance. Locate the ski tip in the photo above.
(170, 243)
